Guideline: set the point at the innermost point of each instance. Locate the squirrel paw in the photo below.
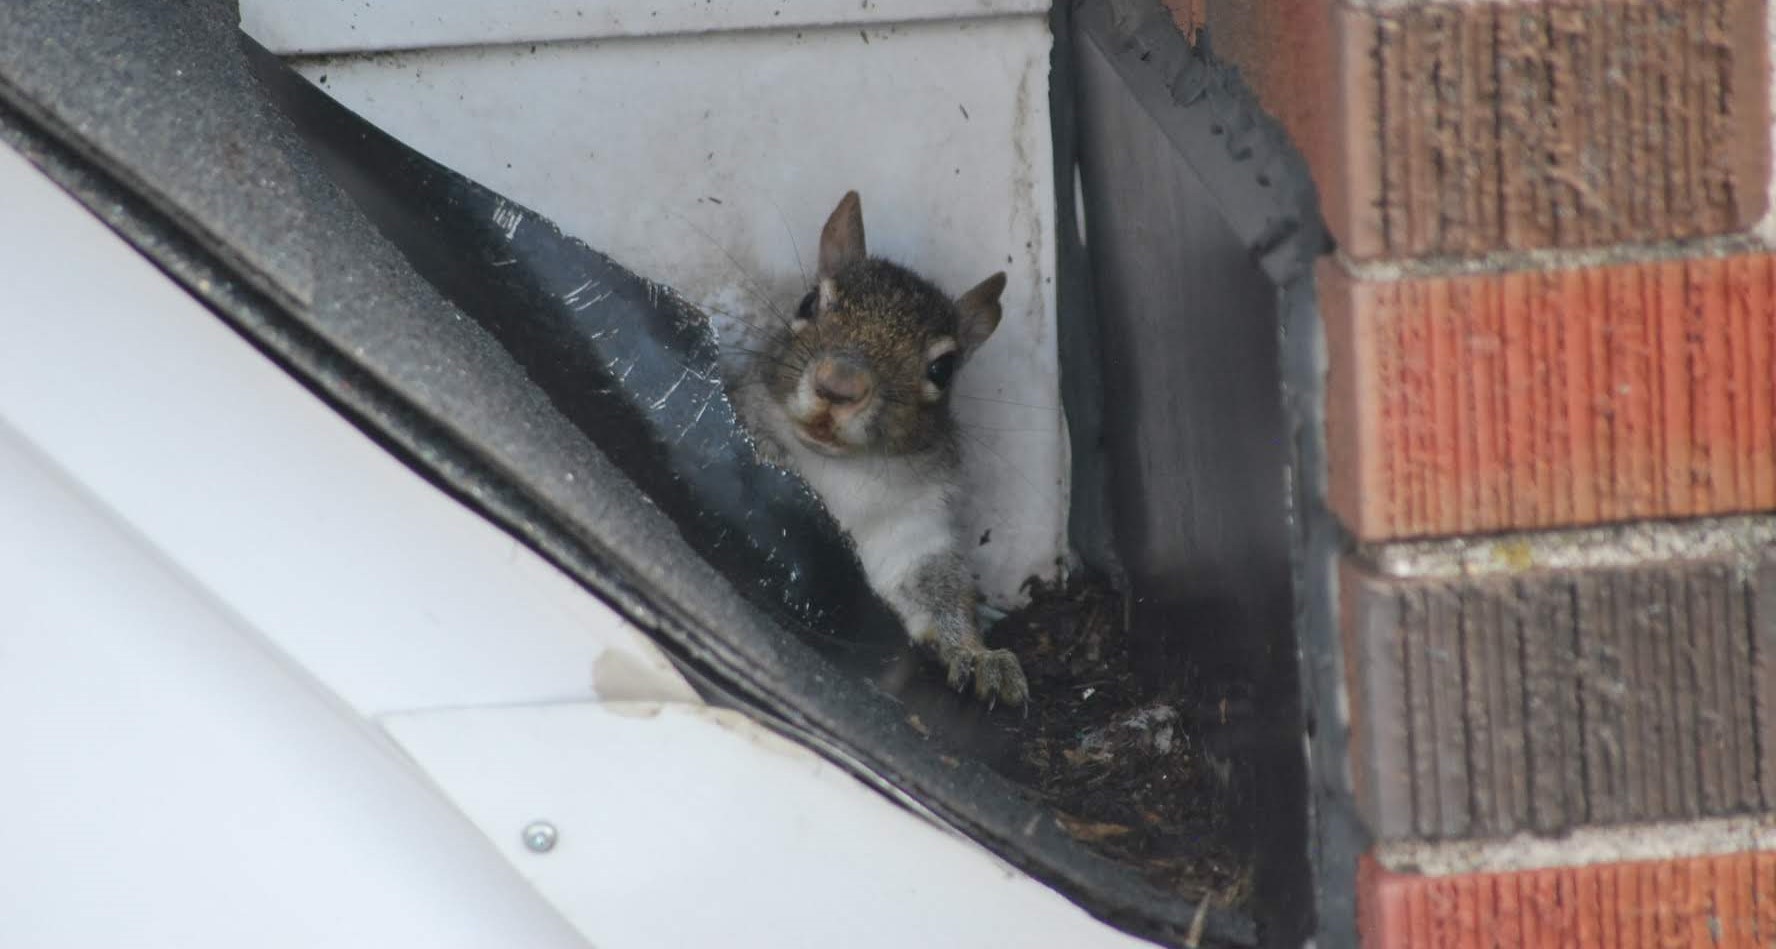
(996, 673)
(770, 451)
(999, 677)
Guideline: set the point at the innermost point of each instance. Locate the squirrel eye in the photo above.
(941, 369)
(805, 310)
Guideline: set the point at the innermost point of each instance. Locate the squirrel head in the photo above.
(866, 364)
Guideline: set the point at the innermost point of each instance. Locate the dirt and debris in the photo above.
(1130, 766)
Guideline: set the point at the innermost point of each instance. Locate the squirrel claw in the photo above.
(996, 673)
(998, 676)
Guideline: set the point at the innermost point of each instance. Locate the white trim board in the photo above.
(342, 26)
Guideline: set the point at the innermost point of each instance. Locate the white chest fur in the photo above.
(898, 511)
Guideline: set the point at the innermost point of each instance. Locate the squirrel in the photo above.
(853, 393)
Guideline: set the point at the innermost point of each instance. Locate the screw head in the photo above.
(540, 836)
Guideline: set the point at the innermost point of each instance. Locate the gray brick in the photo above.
(1547, 699)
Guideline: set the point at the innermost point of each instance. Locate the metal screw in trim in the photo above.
(539, 836)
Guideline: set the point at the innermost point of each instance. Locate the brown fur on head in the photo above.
(867, 363)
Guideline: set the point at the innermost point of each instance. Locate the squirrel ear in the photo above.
(841, 240)
(979, 309)
(827, 296)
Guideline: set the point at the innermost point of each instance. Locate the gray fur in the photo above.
(888, 466)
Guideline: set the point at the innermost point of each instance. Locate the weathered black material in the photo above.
(1078, 341)
(1250, 173)
(153, 117)
(1338, 836)
(1202, 224)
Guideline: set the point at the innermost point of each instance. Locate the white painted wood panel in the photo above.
(333, 26)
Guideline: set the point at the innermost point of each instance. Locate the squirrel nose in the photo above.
(841, 381)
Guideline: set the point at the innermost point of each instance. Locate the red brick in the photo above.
(1462, 128)
(1719, 902)
(1550, 398)
(1189, 15)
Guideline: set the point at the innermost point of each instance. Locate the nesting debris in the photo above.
(1127, 766)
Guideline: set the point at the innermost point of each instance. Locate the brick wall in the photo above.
(1551, 432)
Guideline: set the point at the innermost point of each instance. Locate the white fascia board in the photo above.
(739, 837)
(306, 27)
